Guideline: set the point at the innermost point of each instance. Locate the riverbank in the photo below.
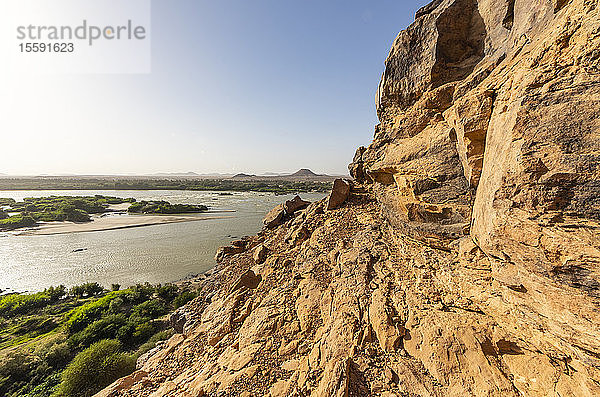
(111, 223)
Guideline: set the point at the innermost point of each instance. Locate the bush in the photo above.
(115, 287)
(140, 293)
(105, 328)
(154, 339)
(125, 334)
(11, 305)
(117, 305)
(87, 289)
(16, 221)
(151, 309)
(56, 293)
(167, 292)
(84, 315)
(58, 355)
(184, 298)
(95, 368)
(15, 368)
(143, 332)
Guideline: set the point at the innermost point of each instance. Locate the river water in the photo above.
(155, 254)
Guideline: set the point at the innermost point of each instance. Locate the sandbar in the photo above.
(111, 223)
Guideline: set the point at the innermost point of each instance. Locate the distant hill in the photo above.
(242, 175)
(304, 173)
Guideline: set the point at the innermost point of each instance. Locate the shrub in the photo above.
(115, 287)
(125, 334)
(83, 315)
(58, 355)
(11, 305)
(87, 289)
(56, 293)
(16, 221)
(16, 367)
(184, 298)
(167, 292)
(151, 309)
(95, 368)
(105, 328)
(140, 292)
(116, 305)
(154, 339)
(143, 332)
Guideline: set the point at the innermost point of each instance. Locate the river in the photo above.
(156, 254)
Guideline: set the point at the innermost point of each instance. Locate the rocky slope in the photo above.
(466, 259)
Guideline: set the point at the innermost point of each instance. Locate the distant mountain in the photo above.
(304, 173)
(242, 175)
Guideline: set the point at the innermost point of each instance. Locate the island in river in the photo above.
(64, 214)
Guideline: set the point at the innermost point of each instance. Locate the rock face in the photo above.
(466, 257)
(339, 194)
(294, 205)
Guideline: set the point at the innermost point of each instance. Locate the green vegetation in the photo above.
(94, 368)
(7, 202)
(79, 208)
(55, 208)
(271, 185)
(164, 207)
(16, 221)
(61, 342)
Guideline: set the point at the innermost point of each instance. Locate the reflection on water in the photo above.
(156, 254)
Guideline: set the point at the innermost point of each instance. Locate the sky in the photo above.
(235, 86)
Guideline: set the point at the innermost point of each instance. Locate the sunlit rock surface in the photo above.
(466, 259)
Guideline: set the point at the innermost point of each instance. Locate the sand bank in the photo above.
(111, 223)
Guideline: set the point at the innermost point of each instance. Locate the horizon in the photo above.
(232, 87)
(169, 174)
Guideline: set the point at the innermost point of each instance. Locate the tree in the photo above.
(94, 368)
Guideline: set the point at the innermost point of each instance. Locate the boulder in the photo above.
(249, 280)
(339, 194)
(226, 251)
(260, 254)
(275, 217)
(295, 204)
(177, 320)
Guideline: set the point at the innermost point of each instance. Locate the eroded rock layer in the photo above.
(466, 258)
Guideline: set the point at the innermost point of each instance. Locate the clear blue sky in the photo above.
(250, 86)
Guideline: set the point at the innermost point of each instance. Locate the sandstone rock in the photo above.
(248, 280)
(226, 251)
(386, 331)
(297, 235)
(288, 348)
(339, 194)
(275, 217)
(177, 320)
(295, 204)
(469, 262)
(260, 254)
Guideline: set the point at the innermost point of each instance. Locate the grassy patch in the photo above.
(51, 341)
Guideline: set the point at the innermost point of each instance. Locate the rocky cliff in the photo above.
(465, 260)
